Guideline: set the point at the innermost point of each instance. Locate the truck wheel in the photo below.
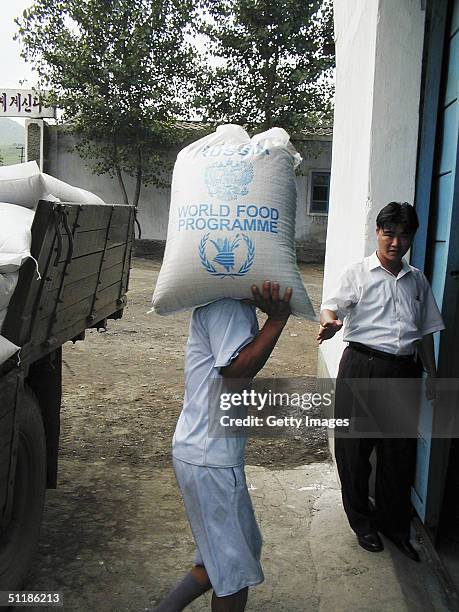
(19, 540)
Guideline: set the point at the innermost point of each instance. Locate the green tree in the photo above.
(275, 62)
(121, 71)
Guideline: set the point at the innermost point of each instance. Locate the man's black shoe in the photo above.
(404, 546)
(370, 541)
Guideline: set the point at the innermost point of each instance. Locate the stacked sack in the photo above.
(231, 221)
(15, 241)
(21, 187)
(25, 185)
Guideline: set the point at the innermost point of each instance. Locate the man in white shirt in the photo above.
(224, 343)
(389, 315)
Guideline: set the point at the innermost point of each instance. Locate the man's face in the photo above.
(393, 241)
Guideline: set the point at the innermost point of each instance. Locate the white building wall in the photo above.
(355, 40)
(396, 100)
(378, 75)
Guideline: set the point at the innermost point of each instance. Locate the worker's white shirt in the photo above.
(382, 311)
(218, 332)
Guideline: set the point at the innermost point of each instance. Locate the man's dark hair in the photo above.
(398, 213)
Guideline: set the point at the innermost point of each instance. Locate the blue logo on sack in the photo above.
(225, 249)
(224, 258)
(228, 179)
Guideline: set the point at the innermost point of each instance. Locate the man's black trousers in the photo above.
(395, 457)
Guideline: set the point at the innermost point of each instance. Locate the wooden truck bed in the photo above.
(83, 254)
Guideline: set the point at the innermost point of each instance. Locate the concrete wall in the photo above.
(379, 59)
(154, 203)
(65, 164)
(311, 229)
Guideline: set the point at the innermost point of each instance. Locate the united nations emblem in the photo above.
(228, 179)
(224, 256)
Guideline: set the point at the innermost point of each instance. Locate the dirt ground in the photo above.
(116, 514)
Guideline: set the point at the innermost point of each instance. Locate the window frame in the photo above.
(313, 171)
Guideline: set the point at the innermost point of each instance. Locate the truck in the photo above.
(83, 256)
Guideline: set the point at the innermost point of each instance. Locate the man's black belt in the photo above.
(367, 350)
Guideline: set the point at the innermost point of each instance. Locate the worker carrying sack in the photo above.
(231, 221)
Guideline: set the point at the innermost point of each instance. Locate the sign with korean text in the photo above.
(25, 103)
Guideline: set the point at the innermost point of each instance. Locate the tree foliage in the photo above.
(124, 71)
(121, 71)
(275, 62)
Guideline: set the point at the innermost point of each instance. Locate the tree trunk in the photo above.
(118, 171)
(121, 184)
(138, 184)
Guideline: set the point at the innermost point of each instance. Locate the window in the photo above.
(320, 193)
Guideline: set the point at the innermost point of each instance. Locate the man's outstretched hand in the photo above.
(328, 329)
(270, 302)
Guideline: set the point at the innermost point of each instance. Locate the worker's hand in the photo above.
(328, 329)
(269, 301)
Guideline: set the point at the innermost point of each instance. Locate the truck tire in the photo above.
(19, 541)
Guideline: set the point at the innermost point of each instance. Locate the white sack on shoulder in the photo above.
(15, 236)
(231, 221)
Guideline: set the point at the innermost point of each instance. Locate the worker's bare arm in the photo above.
(253, 357)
